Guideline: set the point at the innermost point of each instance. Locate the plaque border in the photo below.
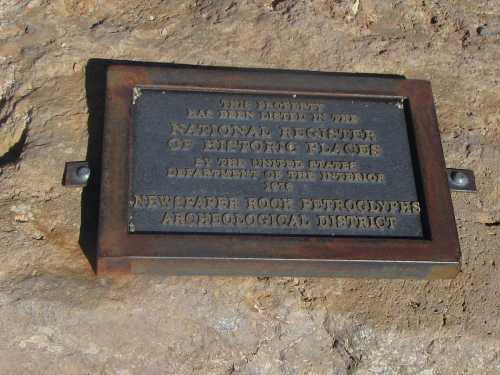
(437, 256)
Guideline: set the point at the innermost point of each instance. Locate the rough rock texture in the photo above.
(57, 317)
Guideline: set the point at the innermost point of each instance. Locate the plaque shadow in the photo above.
(95, 91)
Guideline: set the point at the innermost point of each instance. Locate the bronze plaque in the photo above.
(227, 162)
(210, 170)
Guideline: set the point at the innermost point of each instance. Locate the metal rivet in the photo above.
(459, 178)
(83, 173)
(76, 173)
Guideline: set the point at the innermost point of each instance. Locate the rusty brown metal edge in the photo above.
(122, 79)
(432, 167)
(115, 266)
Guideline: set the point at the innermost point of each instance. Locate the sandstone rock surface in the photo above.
(57, 317)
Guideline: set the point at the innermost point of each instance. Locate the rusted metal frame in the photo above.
(115, 241)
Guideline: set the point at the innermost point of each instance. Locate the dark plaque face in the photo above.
(259, 163)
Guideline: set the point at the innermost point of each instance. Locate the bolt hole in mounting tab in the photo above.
(461, 180)
(76, 173)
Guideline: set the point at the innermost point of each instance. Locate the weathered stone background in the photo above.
(57, 317)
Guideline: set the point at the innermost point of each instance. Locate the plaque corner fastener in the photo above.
(76, 173)
(461, 180)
